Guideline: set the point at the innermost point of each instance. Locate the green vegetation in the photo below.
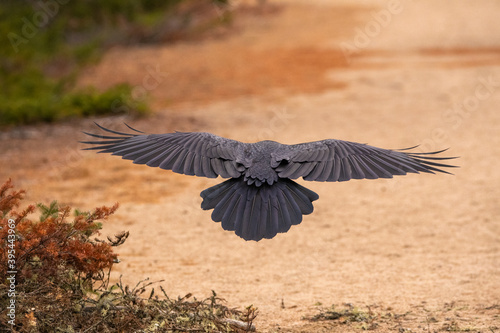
(55, 276)
(46, 42)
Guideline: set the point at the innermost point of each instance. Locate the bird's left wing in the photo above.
(337, 160)
(190, 153)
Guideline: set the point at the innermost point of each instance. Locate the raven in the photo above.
(260, 198)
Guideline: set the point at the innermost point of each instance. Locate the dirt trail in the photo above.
(422, 251)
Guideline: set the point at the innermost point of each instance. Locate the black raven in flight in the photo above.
(260, 198)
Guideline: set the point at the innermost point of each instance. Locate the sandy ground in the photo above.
(421, 251)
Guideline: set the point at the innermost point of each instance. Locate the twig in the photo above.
(249, 327)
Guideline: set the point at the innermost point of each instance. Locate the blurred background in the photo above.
(392, 74)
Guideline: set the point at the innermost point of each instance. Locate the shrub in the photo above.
(47, 42)
(55, 277)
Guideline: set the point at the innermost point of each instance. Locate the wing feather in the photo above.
(336, 167)
(135, 154)
(337, 160)
(191, 153)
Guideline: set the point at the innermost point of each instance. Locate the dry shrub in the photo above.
(54, 277)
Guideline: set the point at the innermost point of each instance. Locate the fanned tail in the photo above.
(256, 212)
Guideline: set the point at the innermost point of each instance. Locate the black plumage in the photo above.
(260, 199)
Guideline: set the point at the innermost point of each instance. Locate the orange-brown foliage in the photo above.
(46, 246)
(50, 257)
(55, 257)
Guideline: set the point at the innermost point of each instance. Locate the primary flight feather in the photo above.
(260, 199)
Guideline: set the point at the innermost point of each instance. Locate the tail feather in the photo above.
(284, 213)
(256, 212)
(276, 216)
(226, 203)
(215, 194)
(293, 207)
(264, 229)
(305, 198)
(242, 225)
(231, 214)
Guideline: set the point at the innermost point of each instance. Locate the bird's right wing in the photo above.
(190, 153)
(337, 160)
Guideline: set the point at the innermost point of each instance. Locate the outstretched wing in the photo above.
(336, 160)
(196, 153)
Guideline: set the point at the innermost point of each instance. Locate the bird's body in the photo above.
(260, 199)
(258, 162)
